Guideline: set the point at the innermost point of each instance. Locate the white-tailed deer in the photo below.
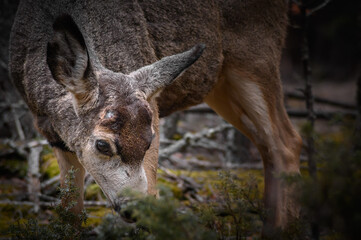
(97, 75)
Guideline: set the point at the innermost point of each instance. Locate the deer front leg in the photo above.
(66, 161)
(255, 107)
(151, 156)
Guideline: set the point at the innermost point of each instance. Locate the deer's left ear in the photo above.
(67, 58)
(160, 74)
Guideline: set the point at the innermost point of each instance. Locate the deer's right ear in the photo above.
(67, 58)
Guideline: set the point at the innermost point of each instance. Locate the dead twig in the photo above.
(330, 102)
(33, 175)
(53, 203)
(190, 139)
(188, 186)
(324, 115)
(50, 181)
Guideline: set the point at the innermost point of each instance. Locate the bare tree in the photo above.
(309, 7)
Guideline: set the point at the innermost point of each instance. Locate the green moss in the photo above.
(46, 150)
(3, 147)
(92, 192)
(49, 166)
(211, 177)
(208, 179)
(172, 186)
(336, 137)
(13, 166)
(307, 130)
(6, 188)
(176, 191)
(177, 137)
(201, 157)
(9, 214)
(96, 215)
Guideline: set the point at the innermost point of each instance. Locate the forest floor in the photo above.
(190, 187)
(192, 180)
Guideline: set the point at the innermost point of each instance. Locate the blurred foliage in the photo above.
(161, 218)
(236, 212)
(65, 225)
(237, 209)
(96, 215)
(232, 206)
(93, 192)
(233, 212)
(49, 166)
(333, 200)
(13, 166)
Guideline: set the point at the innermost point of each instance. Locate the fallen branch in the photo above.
(321, 114)
(20, 146)
(189, 139)
(326, 115)
(199, 110)
(334, 103)
(33, 175)
(53, 203)
(28, 203)
(47, 198)
(193, 163)
(19, 128)
(97, 204)
(207, 144)
(187, 185)
(50, 181)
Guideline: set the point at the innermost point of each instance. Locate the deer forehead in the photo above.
(129, 128)
(124, 117)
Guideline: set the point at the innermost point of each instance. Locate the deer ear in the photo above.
(160, 74)
(67, 58)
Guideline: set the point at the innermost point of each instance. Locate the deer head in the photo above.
(113, 109)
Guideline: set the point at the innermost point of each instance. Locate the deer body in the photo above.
(91, 74)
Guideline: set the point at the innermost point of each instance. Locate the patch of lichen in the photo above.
(49, 166)
(13, 165)
(94, 192)
(211, 179)
(208, 179)
(96, 215)
(177, 136)
(6, 188)
(176, 191)
(11, 214)
(3, 147)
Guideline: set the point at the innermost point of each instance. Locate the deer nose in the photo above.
(117, 207)
(125, 214)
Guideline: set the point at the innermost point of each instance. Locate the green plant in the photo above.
(65, 225)
(334, 199)
(162, 218)
(237, 210)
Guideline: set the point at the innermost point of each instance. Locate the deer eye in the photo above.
(103, 147)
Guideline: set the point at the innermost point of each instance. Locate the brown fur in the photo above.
(66, 161)
(268, 127)
(237, 75)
